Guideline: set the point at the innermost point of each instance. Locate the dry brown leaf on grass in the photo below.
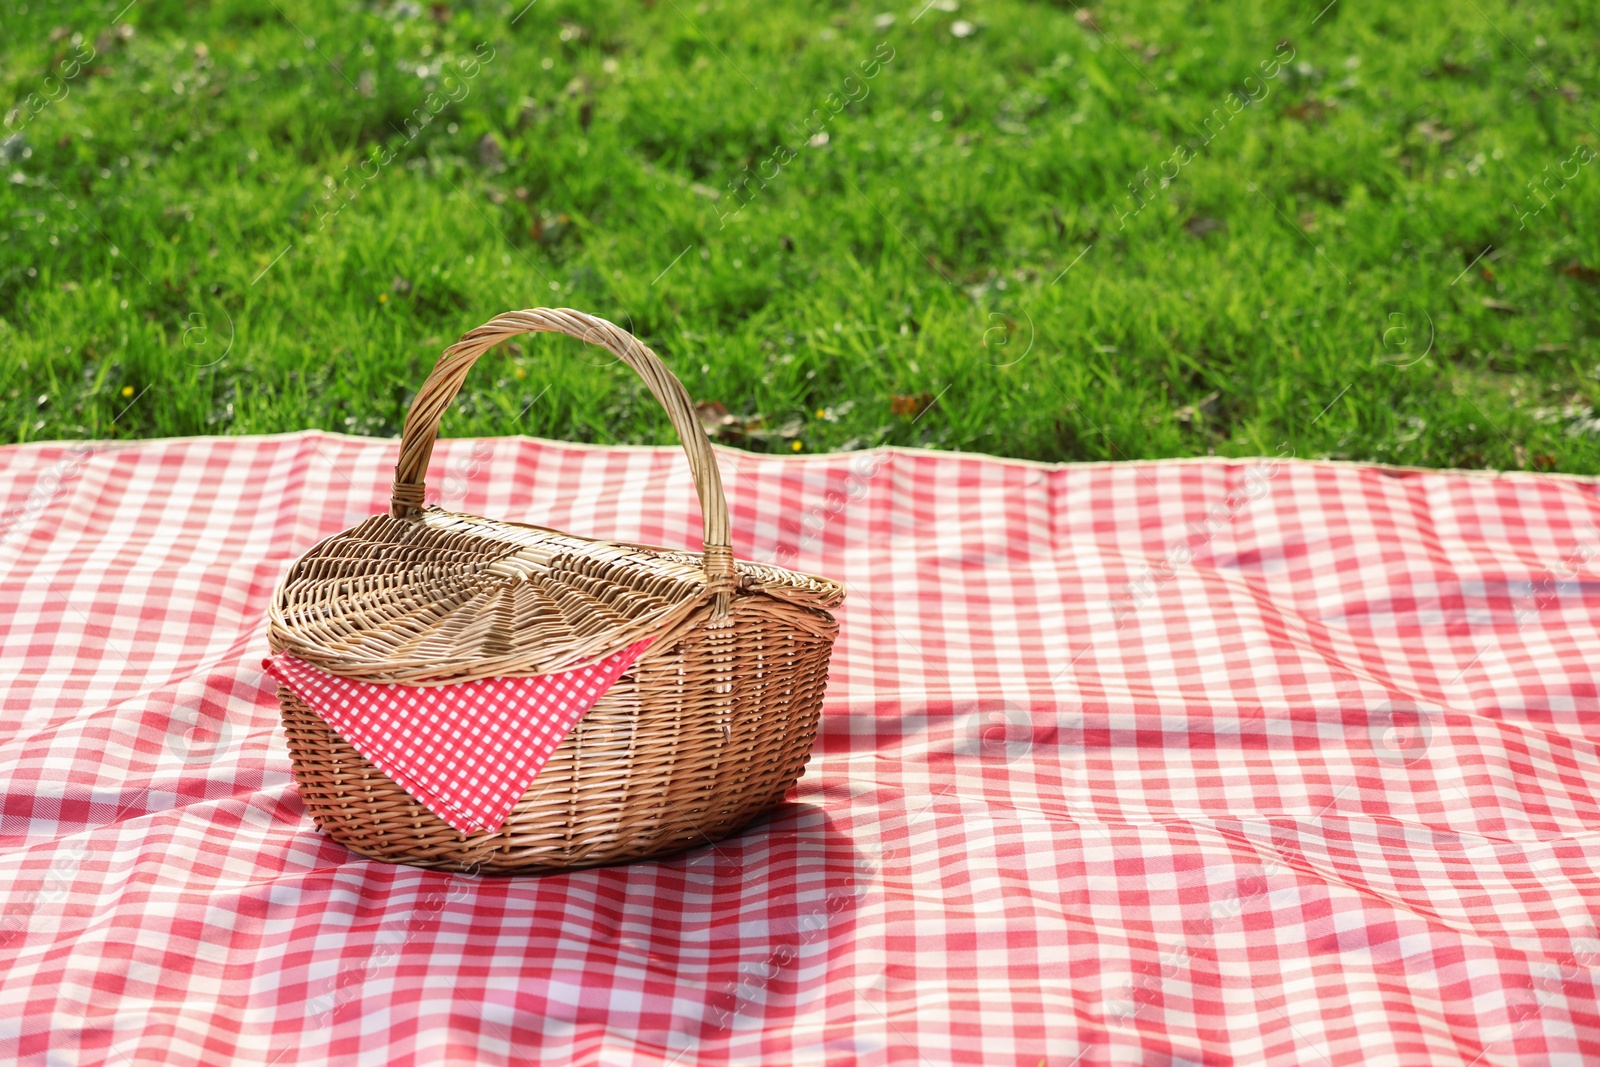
(1308, 110)
(714, 414)
(723, 425)
(910, 406)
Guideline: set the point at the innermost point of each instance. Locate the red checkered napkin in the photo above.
(468, 751)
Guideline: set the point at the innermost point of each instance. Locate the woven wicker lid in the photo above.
(423, 595)
(445, 597)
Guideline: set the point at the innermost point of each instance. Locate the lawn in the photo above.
(1142, 229)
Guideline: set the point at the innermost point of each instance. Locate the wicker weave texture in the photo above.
(704, 733)
(685, 749)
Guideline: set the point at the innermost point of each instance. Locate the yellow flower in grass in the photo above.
(383, 298)
(127, 391)
(798, 445)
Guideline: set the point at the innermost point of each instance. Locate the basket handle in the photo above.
(422, 421)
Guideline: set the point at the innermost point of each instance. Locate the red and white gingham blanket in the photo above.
(1137, 763)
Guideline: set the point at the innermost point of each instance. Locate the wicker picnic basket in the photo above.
(705, 732)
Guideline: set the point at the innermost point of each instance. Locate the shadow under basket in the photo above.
(700, 736)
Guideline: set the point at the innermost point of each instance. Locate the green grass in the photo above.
(174, 261)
